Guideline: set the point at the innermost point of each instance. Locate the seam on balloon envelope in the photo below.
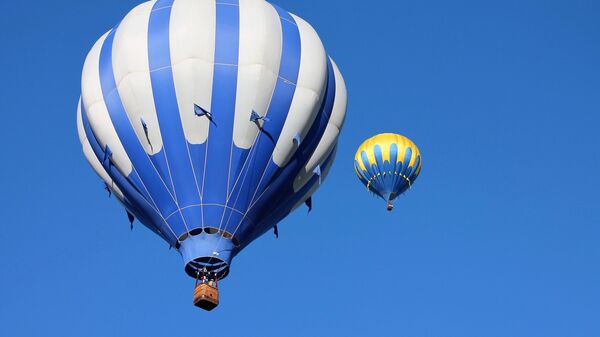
(175, 145)
(318, 127)
(124, 187)
(207, 204)
(223, 102)
(283, 208)
(133, 145)
(289, 67)
(276, 93)
(304, 152)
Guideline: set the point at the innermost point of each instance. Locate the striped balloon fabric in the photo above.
(387, 164)
(210, 120)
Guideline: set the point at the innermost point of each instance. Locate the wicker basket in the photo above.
(206, 296)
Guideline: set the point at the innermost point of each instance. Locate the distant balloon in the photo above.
(387, 164)
(210, 121)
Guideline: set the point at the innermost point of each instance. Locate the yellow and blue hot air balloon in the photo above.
(387, 164)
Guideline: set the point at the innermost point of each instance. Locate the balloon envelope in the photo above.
(210, 120)
(387, 164)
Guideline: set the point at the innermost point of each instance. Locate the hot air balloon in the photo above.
(387, 164)
(210, 121)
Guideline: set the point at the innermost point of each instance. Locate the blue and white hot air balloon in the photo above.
(210, 121)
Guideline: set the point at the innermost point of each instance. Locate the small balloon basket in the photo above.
(206, 293)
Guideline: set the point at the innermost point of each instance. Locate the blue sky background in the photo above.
(498, 237)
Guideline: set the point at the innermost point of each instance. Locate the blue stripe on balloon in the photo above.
(412, 169)
(198, 155)
(393, 155)
(405, 172)
(138, 205)
(138, 156)
(167, 110)
(316, 131)
(220, 136)
(414, 173)
(377, 151)
(399, 165)
(238, 163)
(365, 161)
(282, 208)
(290, 62)
(277, 112)
(406, 161)
(159, 160)
(370, 172)
(361, 174)
(399, 180)
(390, 177)
(280, 187)
(135, 180)
(162, 3)
(383, 188)
(394, 167)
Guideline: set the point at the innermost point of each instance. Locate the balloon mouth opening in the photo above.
(208, 252)
(209, 264)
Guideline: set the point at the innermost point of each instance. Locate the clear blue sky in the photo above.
(499, 236)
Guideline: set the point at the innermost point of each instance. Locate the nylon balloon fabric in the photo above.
(210, 120)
